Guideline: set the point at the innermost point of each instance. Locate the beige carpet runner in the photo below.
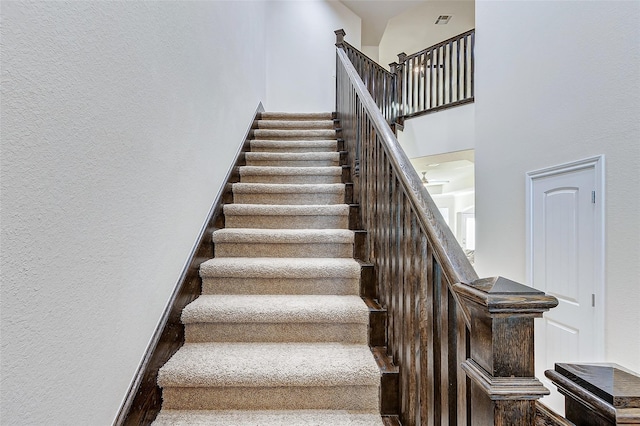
(279, 334)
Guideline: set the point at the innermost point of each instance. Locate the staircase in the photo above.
(280, 334)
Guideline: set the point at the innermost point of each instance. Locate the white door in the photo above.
(565, 227)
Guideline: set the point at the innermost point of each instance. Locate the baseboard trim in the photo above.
(144, 398)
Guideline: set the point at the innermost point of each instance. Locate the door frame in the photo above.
(597, 163)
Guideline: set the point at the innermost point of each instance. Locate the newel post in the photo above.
(501, 368)
(399, 71)
(340, 37)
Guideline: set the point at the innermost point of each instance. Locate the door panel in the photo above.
(564, 229)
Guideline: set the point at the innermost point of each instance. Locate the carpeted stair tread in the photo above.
(290, 175)
(295, 124)
(292, 171)
(274, 275)
(294, 134)
(277, 236)
(286, 209)
(270, 365)
(296, 116)
(296, 159)
(268, 267)
(286, 216)
(283, 188)
(287, 193)
(276, 309)
(266, 242)
(293, 146)
(267, 418)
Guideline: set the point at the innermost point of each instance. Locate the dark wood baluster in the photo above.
(416, 87)
(437, 80)
(463, 352)
(429, 343)
(378, 214)
(452, 355)
(409, 256)
(458, 83)
(450, 73)
(430, 76)
(411, 90)
(409, 95)
(374, 226)
(439, 406)
(416, 267)
(386, 244)
(402, 294)
(407, 87)
(465, 73)
(424, 81)
(406, 73)
(393, 306)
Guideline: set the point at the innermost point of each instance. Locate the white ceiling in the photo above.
(376, 13)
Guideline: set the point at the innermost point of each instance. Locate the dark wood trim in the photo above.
(389, 382)
(391, 421)
(546, 417)
(377, 323)
(144, 397)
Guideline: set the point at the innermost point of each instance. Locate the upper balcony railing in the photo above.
(438, 77)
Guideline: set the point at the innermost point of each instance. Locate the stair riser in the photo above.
(248, 285)
(289, 198)
(255, 249)
(287, 222)
(287, 332)
(293, 163)
(354, 398)
(291, 179)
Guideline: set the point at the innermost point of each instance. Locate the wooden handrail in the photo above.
(381, 84)
(463, 345)
(440, 44)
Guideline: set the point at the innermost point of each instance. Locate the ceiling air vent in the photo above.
(443, 19)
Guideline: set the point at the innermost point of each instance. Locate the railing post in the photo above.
(501, 368)
(395, 98)
(340, 37)
(399, 87)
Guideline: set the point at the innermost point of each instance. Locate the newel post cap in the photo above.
(499, 295)
(401, 57)
(340, 36)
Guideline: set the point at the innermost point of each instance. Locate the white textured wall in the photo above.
(372, 52)
(415, 29)
(558, 82)
(301, 53)
(444, 131)
(119, 122)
